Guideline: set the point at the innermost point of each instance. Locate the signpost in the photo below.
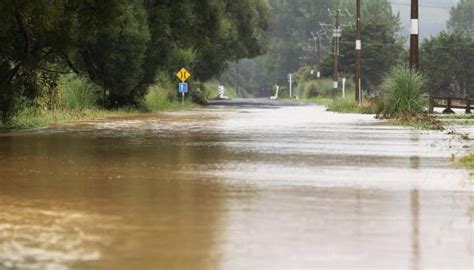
(290, 81)
(221, 91)
(183, 75)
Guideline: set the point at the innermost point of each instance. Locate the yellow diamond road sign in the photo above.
(183, 75)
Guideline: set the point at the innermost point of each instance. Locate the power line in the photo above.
(424, 5)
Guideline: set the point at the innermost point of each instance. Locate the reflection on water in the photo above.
(415, 210)
(44, 236)
(231, 189)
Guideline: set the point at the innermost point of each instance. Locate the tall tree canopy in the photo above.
(446, 59)
(122, 44)
(381, 46)
(462, 16)
(291, 24)
(447, 64)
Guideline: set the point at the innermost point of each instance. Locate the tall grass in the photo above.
(403, 93)
(315, 88)
(468, 162)
(78, 93)
(163, 96)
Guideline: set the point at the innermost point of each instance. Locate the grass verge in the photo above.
(347, 105)
(468, 163)
(422, 121)
(30, 119)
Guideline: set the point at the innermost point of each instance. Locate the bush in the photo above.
(164, 96)
(315, 88)
(349, 105)
(160, 96)
(78, 93)
(403, 95)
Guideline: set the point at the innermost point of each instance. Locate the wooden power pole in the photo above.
(414, 38)
(336, 36)
(358, 93)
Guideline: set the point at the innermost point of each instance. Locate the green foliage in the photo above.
(291, 24)
(211, 89)
(468, 162)
(315, 88)
(163, 96)
(31, 117)
(349, 105)
(114, 56)
(403, 93)
(447, 64)
(310, 87)
(78, 93)
(422, 121)
(462, 17)
(381, 46)
(121, 45)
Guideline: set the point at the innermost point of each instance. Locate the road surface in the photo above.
(292, 187)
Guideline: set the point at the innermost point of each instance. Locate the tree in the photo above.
(122, 45)
(114, 57)
(291, 24)
(33, 36)
(462, 16)
(447, 64)
(381, 47)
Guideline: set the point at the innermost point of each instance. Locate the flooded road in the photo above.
(234, 188)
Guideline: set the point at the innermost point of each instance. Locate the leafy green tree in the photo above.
(291, 24)
(32, 36)
(462, 16)
(381, 47)
(114, 56)
(122, 45)
(447, 64)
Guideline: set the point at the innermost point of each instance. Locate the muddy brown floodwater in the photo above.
(234, 188)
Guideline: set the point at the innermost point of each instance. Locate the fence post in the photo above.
(431, 105)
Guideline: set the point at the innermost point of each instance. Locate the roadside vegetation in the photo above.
(76, 98)
(468, 163)
(59, 57)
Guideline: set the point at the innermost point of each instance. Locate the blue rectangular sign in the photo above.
(183, 87)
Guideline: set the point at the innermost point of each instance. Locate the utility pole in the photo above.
(358, 93)
(318, 47)
(336, 36)
(414, 38)
(316, 54)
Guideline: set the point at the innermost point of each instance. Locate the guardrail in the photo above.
(451, 103)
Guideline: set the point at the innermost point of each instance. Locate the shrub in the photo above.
(349, 105)
(311, 89)
(403, 95)
(315, 88)
(160, 96)
(78, 92)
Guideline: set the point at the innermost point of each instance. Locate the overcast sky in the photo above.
(433, 15)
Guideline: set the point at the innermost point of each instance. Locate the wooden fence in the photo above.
(451, 103)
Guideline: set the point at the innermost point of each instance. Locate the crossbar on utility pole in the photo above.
(358, 45)
(414, 37)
